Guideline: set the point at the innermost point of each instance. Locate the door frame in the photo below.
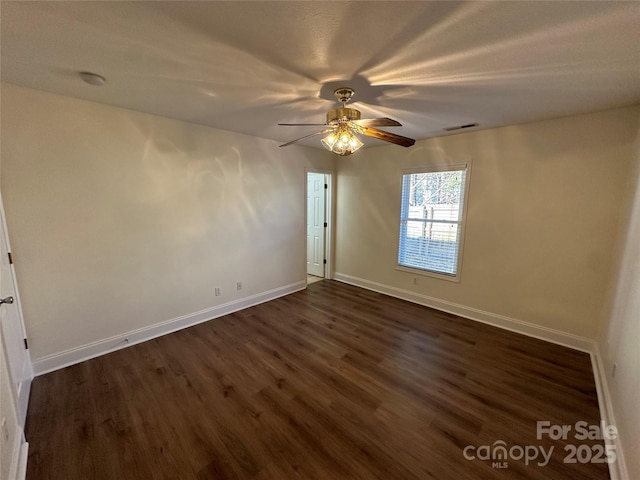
(329, 216)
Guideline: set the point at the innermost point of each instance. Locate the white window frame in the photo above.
(462, 222)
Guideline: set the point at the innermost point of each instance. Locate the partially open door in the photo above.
(316, 229)
(15, 367)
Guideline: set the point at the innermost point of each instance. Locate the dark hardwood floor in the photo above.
(331, 383)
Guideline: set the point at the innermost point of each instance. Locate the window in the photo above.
(432, 220)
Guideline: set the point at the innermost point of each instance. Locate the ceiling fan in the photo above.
(344, 123)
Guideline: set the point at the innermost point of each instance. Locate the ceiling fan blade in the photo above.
(302, 124)
(388, 137)
(377, 122)
(307, 136)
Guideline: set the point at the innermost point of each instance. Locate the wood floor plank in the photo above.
(331, 383)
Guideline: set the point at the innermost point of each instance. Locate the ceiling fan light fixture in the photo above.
(342, 141)
(344, 124)
(329, 141)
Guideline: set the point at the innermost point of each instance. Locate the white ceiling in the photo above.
(245, 66)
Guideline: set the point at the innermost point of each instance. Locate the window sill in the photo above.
(427, 273)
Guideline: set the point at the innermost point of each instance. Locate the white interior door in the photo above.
(315, 223)
(12, 328)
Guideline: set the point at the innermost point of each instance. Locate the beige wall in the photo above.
(619, 340)
(120, 220)
(543, 216)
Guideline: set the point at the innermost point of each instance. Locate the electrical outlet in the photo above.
(217, 291)
(239, 286)
(613, 370)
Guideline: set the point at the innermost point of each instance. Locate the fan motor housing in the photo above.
(342, 114)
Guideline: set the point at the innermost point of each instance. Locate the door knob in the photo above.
(6, 300)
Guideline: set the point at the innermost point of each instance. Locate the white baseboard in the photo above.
(72, 356)
(519, 326)
(22, 461)
(618, 469)
(20, 452)
(23, 396)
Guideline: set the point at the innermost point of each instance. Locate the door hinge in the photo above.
(325, 261)
(325, 225)
(26, 344)
(326, 186)
(10, 258)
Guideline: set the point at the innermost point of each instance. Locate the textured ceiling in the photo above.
(245, 66)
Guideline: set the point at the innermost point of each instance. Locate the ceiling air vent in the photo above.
(469, 125)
